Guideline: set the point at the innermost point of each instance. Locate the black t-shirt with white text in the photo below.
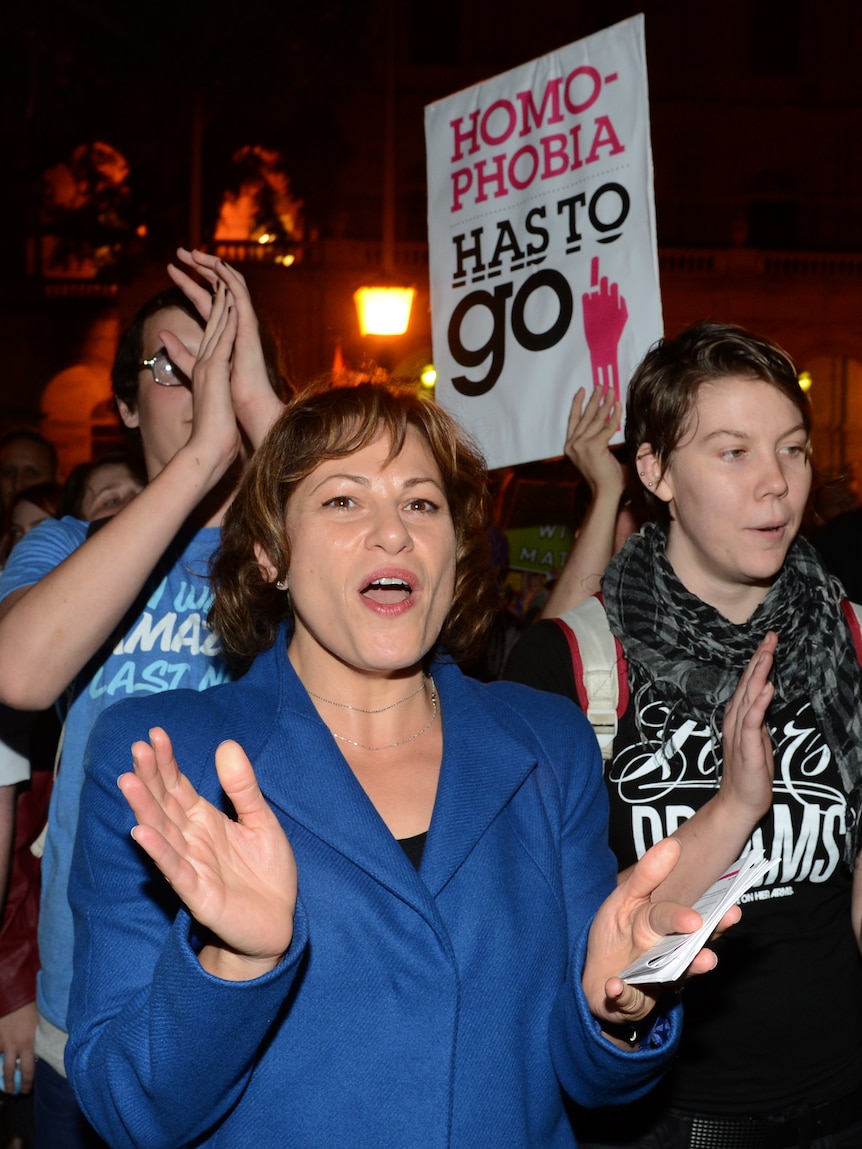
(779, 1022)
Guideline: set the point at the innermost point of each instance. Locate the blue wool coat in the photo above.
(430, 1009)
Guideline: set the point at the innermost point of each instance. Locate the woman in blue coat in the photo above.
(389, 916)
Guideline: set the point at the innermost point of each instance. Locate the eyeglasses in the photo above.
(164, 372)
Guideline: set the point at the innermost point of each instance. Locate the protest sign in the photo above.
(539, 550)
(541, 233)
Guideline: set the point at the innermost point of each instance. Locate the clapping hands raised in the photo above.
(236, 878)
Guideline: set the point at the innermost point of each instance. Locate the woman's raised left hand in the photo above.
(629, 923)
(236, 878)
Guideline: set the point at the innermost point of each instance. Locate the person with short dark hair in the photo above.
(26, 458)
(102, 487)
(719, 432)
(33, 506)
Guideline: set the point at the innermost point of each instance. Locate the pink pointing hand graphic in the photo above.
(605, 315)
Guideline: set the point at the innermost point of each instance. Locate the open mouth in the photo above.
(388, 591)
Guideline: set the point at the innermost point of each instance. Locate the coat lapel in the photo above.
(484, 765)
(303, 773)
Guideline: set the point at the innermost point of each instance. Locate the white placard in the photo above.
(542, 246)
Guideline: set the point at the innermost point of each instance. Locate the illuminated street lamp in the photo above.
(383, 310)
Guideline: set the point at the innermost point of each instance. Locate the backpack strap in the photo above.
(853, 614)
(599, 667)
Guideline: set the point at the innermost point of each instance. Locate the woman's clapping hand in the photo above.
(236, 878)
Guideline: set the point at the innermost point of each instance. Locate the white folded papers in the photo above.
(668, 959)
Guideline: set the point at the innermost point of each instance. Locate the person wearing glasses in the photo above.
(122, 613)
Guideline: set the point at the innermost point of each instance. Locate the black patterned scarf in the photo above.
(686, 654)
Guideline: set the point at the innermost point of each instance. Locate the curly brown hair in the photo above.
(331, 423)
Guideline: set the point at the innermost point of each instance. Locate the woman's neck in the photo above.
(349, 688)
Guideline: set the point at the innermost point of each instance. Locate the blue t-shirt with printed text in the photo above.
(163, 643)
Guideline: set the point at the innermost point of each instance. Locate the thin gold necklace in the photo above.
(362, 710)
(402, 741)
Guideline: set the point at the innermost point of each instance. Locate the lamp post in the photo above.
(384, 308)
